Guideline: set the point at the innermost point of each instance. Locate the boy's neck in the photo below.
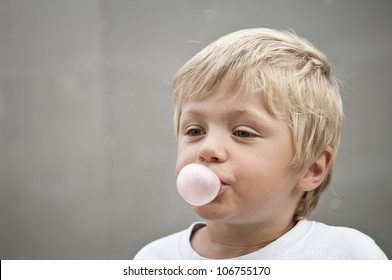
(222, 241)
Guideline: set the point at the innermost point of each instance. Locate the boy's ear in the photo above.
(316, 173)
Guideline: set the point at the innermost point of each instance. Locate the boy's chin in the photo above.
(212, 212)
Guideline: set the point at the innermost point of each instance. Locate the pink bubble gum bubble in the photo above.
(197, 184)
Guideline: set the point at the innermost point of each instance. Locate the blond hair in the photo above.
(292, 78)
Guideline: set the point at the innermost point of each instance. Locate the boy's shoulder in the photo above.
(160, 249)
(336, 242)
(170, 247)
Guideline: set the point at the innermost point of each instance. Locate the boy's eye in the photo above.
(243, 134)
(194, 132)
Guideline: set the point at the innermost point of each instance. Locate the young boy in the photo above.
(261, 109)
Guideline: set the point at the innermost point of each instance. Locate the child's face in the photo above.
(248, 149)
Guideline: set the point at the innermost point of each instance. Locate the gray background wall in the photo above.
(87, 151)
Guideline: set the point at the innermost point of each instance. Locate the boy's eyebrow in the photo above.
(258, 116)
(261, 117)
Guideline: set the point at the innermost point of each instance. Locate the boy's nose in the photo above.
(212, 149)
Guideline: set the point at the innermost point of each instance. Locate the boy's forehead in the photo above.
(226, 106)
(225, 90)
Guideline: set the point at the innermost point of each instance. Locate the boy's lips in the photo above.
(222, 188)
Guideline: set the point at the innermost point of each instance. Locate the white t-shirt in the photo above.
(306, 240)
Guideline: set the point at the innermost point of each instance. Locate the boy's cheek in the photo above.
(181, 162)
(185, 157)
(178, 168)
